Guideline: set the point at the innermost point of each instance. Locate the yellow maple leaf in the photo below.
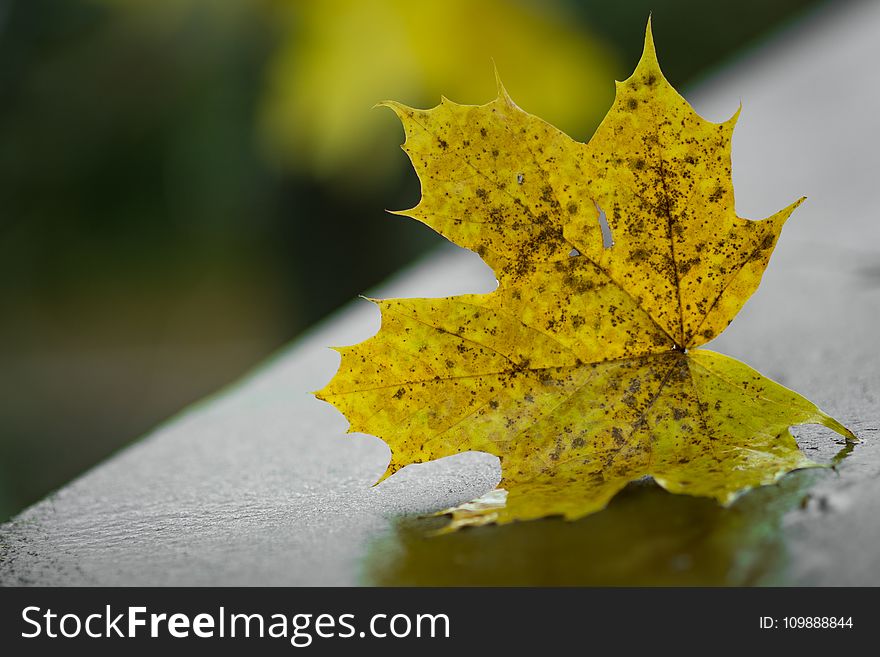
(580, 371)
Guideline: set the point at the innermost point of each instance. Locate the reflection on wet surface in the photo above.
(645, 537)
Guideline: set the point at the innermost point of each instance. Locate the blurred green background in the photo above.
(186, 184)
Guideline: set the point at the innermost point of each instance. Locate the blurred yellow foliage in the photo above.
(338, 58)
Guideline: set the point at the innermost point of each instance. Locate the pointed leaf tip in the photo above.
(393, 467)
(649, 39)
(648, 62)
(735, 116)
(785, 214)
(502, 91)
(398, 108)
(837, 427)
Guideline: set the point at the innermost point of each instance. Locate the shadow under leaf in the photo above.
(645, 537)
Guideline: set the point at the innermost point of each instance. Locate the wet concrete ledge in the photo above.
(259, 485)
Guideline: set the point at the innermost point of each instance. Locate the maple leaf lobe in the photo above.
(663, 175)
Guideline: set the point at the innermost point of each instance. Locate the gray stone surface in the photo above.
(260, 485)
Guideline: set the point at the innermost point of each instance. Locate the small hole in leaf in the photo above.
(607, 238)
(574, 253)
(520, 178)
